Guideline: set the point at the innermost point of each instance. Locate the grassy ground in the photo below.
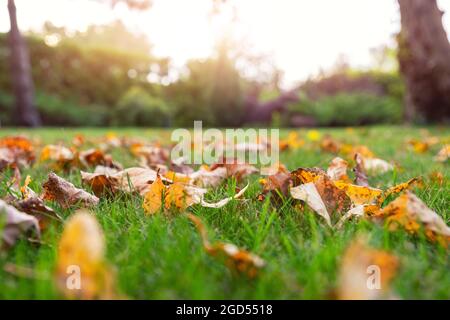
(162, 258)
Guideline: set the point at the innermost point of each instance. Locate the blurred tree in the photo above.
(24, 112)
(114, 35)
(424, 57)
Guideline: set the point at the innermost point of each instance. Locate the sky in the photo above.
(301, 36)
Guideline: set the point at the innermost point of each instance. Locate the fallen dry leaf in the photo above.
(16, 151)
(444, 154)
(205, 177)
(104, 182)
(360, 173)
(366, 273)
(308, 193)
(153, 199)
(16, 224)
(24, 199)
(238, 260)
(337, 170)
(236, 170)
(409, 212)
(96, 157)
(305, 175)
(180, 196)
(359, 194)
(57, 153)
(276, 184)
(65, 193)
(81, 271)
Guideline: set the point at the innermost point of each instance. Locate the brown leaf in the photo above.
(16, 151)
(205, 177)
(277, 184)
(337, 170)
(360, 173)
(17, 224)
(235, 169)
(65, 193)
(129, 180)
(96, 157)
(238, 260)
(335, 199)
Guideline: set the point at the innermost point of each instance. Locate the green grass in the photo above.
(161, 257)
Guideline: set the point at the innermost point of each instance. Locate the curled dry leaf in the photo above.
(65, 158)
(238, 260)
(153, 199)
(16, 151)
(81, 271)
(367, 201)
(65, 193)
(409, 212)
(27, 201)
(360, 194)
(366, 273)
(180, 196)
(305, 175)
(276, 184)
(414, 182)
(36, 207)
(205, 177)
(104, 181)
(319, 192)
(57, 153)
(16, 224)
(337, 170)
(150, 155)
(235, 169)
(376, 165)
(444, 154)
(308, 193)
(96, 157)
(360, 173)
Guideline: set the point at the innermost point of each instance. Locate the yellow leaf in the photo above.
(177, 197)
(81, 269)
(153, 197)
(359, 194)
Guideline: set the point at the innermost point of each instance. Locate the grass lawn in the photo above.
(161, 257)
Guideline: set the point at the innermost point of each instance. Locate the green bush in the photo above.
(138, 108)
(56, 111)
(351, 109)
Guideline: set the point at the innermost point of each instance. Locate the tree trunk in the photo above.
(424, 57)
(24, 112)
